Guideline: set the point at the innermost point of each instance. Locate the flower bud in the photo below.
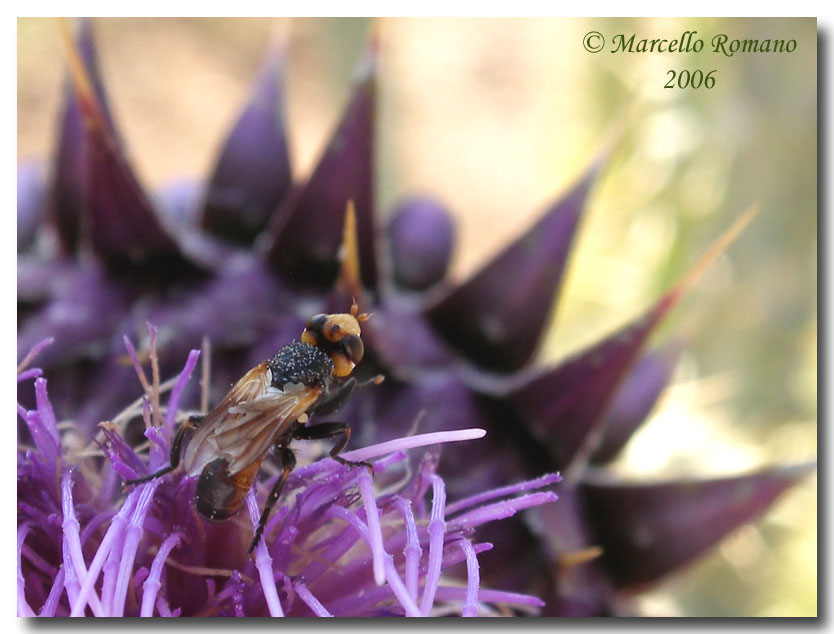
(421, 234)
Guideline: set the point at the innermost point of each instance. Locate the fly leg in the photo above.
(324, 431)
(334, 400)
(191, 423)
(288, 464)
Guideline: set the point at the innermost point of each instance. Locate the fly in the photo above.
(270, 407)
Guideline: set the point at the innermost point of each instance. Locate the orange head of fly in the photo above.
(339, 335)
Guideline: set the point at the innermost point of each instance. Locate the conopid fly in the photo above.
(270, 407)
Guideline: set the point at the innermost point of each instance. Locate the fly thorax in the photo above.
(300, 364)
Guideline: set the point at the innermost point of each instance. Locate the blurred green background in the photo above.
(496, 117)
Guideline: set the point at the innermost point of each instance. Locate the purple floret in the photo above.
(344, 542)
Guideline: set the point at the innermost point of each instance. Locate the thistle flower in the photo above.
(335, 549)
(244, 261)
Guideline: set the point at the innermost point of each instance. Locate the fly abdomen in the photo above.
(217, 496)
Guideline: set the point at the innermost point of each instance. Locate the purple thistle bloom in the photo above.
(344, 543)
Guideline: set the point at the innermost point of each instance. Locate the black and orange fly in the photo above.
(268, 407)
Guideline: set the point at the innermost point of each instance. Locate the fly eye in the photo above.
(354, 348)
(316, 322)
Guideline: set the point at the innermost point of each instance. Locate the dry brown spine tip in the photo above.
(578, 557)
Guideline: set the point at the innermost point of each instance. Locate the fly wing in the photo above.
(246, 423)
(202, 448)
(259, 424)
